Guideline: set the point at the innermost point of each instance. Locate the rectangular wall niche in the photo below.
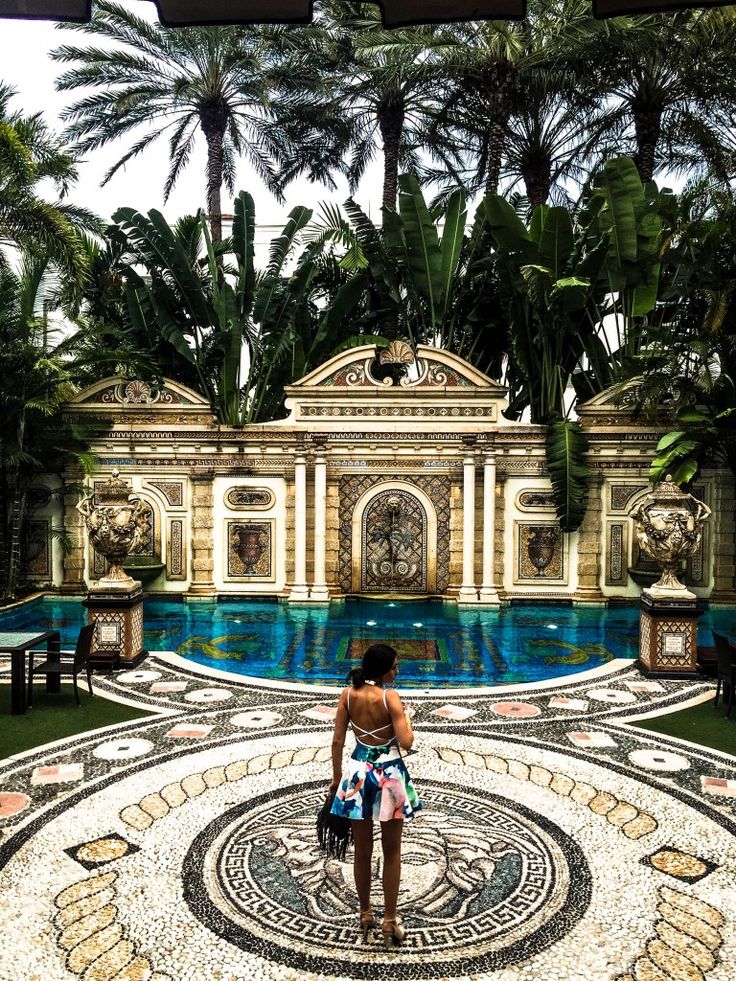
(249, 551)
(539, 552)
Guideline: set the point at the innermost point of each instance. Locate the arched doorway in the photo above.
(395, 542)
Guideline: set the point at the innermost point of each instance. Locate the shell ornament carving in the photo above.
(397, 352)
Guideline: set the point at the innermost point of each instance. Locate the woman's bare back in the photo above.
(370, 715)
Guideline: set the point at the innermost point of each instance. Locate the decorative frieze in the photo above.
(249, 498)
(175, 556)
(535, 500)
(617, 553)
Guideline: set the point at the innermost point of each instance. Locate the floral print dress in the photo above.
(375, 783)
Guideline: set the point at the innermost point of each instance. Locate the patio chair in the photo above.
(79, 662)
(726, 671)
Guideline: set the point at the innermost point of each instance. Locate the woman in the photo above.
(375, 784)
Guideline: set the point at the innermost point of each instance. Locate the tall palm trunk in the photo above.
(537, 178)
(391, 123)
(499, 85)
(648, 128)
(4, 527)
(213, 118)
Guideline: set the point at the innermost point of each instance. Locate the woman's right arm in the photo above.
(400, 721)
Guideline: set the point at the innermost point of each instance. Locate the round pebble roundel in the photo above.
(254, 877)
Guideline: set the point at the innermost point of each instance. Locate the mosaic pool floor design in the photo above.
(557, 841)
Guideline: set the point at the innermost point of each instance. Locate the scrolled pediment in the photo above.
(428, 368)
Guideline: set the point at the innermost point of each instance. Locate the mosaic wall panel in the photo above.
(249, 550)
(645, 645)
(539, 552)
(353, 486)
(621, 495)
(535, 500)
(617, 553)
(697, 567)
(173, 491)
(242, 498)
(394, 536)
(38, 549)
(176, 563)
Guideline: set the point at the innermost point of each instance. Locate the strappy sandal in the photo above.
(367, 923)
(393, 932)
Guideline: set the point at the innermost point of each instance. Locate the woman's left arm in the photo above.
(338, 739)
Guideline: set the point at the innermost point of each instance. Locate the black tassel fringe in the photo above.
(334, 833)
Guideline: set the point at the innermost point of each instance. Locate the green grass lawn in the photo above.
(56, 716)
(700, 724)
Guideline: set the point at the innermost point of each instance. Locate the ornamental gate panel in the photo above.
(394, 544)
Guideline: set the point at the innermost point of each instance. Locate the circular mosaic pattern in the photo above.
(659, 759)
(516, 710)
(135, 677)
(486, 882)
(206, 695)
(613, 695)
(123, 749)
(256, 720)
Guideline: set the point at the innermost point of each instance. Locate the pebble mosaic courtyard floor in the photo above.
(556, 842)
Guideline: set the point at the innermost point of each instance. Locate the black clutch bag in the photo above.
(334, 833)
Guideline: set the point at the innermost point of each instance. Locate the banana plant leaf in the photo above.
(566, 448)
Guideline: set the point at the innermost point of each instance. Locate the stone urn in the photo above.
(249, 546)
(541, 547)
(112, 516)
(669, 525)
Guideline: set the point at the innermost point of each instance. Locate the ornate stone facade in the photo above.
(420, 425)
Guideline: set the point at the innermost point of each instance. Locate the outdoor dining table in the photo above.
(17, 644)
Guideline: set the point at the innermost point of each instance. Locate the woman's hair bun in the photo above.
(356, 677)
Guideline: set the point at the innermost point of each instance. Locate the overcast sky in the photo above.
(24, 64)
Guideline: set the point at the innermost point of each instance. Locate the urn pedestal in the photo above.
(668, 636)
(668, 523)
(118, 613)
(115, 602)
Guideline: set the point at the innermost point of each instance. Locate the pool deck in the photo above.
(556, 842)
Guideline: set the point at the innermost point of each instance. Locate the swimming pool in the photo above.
(439, 644)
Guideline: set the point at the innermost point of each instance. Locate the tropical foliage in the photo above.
(236, 334)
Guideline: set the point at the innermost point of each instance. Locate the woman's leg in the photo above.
(391, 844)
(363, 852)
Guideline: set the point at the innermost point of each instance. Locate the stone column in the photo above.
(589, 547)
(74, 526)
(488, 592)
(203, 528)
(723, 537)
(468, 593)
(319, 592)
(299, 589)
(499, 559)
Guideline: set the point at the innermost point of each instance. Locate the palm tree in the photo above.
(667, 87)
(376, 85)
(29, 155)
(177, 83)
(491, 68)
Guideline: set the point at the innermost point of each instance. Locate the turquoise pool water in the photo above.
(439, 644)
